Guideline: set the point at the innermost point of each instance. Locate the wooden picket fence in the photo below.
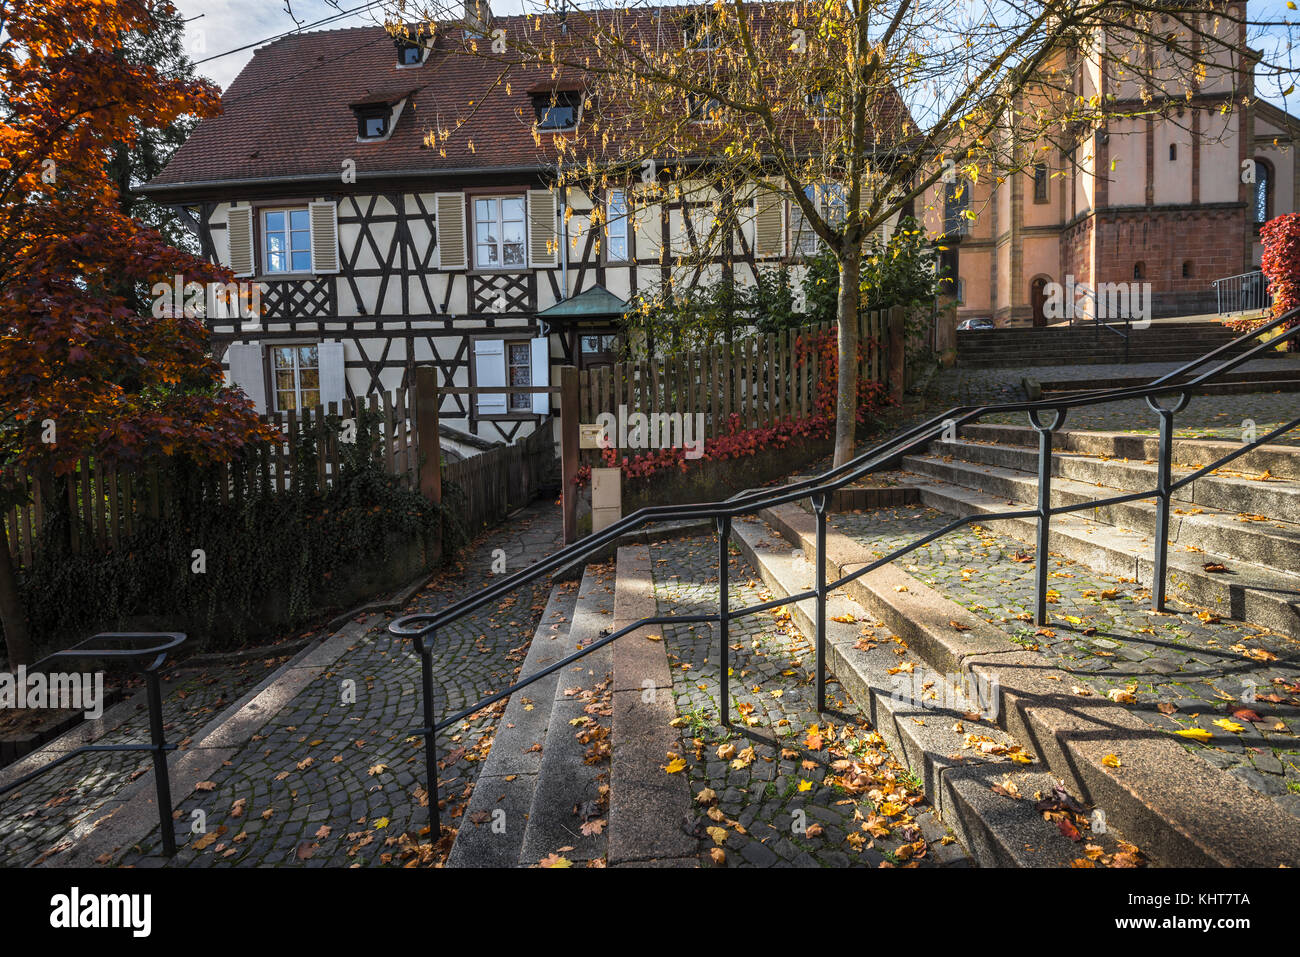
(500, 480)
(107, 503)
(760, 379)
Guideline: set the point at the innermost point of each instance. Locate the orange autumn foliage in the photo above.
(76, 349)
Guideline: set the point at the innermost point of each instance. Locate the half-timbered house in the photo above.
(375, 252)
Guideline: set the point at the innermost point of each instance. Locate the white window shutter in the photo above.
(542, 245)
(324, 237)
(769, 224)
(490, 370)
(451, 230)
(541, 374)
(239, 233)
(333, 374)
(248, 372)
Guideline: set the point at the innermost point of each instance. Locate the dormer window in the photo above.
(557, 111)
(700, 33)
(703, 109)
(372, 126)
(409, 54)
(413, 46)
(377, 116)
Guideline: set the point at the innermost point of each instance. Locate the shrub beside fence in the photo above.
(344, 504)
(107, 503)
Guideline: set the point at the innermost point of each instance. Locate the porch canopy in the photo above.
(590, 305)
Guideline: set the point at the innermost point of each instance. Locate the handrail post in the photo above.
(1164, 477)
(819, 508)
(1044, 509)
(425, 646)
(570, 398)
(724, 616)
(162, 783)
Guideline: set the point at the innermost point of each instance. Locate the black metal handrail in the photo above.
(422, 627)
(154, 655)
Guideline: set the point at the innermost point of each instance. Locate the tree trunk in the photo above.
(18, 645)
(846, 403)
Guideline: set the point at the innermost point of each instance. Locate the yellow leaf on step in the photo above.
(719, 835)
(675, 765)
(1196, 734)
(1232, 726)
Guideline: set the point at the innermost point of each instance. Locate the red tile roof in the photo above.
(286, 117)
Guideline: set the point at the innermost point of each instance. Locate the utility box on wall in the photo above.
(606, 497)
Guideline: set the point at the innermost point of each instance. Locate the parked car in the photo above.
(971, 325)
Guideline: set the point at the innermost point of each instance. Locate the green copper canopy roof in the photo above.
(594, 303)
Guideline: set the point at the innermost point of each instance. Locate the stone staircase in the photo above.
(1235, 541)
(1235, 549)
(1241, 522)
(926, 717)
(553, 786)
(1162, 341)
(536, 789)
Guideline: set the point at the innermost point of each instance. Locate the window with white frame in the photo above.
(616, 219)
(499, 231)
(519, 369)
(295, 372)
(830, 201)
(286, 240)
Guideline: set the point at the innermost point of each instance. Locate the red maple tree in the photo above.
(1281, 261)
(81, 362)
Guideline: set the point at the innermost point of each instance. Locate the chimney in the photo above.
(478, 17)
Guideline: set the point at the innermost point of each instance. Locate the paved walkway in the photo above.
(821, 792)
(51, 811)
(335, 777)
(1179, 671)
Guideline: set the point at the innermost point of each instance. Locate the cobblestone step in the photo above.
(925, 717)
(570, 791)
(1253, 531)
(491, 831)
(1181, 811)
(1245, 590)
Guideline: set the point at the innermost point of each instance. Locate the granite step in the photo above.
(925, 717)
(1244, 590)
(491, 832)
(1281, 461)
(1179, 811)
(1231, 517)
(571, 792)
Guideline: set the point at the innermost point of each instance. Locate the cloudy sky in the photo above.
(218, 26)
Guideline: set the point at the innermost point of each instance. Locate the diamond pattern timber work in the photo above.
(299, 298)
(505, 293)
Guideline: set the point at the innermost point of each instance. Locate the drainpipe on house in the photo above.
(564, 243)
